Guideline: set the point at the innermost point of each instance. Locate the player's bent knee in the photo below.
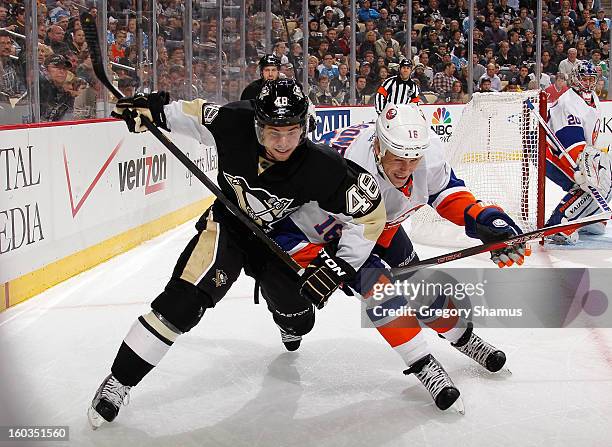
(182, 304)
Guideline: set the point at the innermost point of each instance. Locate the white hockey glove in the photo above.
(131, 108)
(323, 276)
(490, 224)
(594, 170)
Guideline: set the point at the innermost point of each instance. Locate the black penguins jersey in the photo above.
(270, 191)
(252, 90)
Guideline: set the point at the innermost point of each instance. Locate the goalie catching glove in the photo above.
(491, 224)
(131, 109)
(323, 276)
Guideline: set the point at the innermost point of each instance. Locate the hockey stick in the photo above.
(283, 15)
(401, 272)
(601, 202)
(91, 36)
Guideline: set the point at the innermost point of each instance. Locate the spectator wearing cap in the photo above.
(491, 75)
(59, 8)
(398, 89)
(566, 66)
(55, 101)
(420, 78)
(366, 12)
(365, 69)
(601, 17)
(485, 85)
(324, 4)
(112, 29)
(329, 20)
(513, 85)
(117, 49)
(328, 67)
(62, 19)
(385, 42)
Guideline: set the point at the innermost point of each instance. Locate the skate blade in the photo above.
(95, 420)
(458, 406)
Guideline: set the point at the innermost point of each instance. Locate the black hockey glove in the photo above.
(323, 276)
(149, 105)
(490, 224)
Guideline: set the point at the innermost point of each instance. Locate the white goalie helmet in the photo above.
(402, 130)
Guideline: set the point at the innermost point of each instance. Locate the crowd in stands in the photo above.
(505, 36)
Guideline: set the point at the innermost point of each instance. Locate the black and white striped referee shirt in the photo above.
(396, 91)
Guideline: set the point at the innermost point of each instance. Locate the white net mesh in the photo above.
(494, 149)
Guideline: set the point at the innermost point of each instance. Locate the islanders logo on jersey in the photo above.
(441, 123)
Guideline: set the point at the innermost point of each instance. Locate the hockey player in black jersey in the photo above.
(269, 69)
(268, 168)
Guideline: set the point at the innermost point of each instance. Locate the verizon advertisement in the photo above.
(67, 188)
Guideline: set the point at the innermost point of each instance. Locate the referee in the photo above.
(398, 89)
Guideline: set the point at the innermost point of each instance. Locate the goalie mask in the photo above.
(583, 79)
(281, 103)
(402, 130)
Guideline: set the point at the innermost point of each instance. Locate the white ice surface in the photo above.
(229, 382)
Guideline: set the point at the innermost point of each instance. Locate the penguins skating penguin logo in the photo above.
(261, 206)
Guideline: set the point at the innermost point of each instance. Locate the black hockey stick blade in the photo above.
(91, 36)
(402, 272)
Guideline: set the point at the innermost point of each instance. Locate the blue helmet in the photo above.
(583, 77)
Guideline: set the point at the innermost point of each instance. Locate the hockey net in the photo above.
(498, 149)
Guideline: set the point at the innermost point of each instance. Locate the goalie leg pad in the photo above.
(574, 205)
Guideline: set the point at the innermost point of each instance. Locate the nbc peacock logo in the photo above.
(441, 116)
(441, 123)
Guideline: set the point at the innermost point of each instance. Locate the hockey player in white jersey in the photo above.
(408, 162)
(575, 120)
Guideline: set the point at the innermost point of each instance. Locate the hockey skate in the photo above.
(106, 403)
(291, 342)
(435, 379)
(480, 351)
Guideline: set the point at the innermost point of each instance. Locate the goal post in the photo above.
(498, 150)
